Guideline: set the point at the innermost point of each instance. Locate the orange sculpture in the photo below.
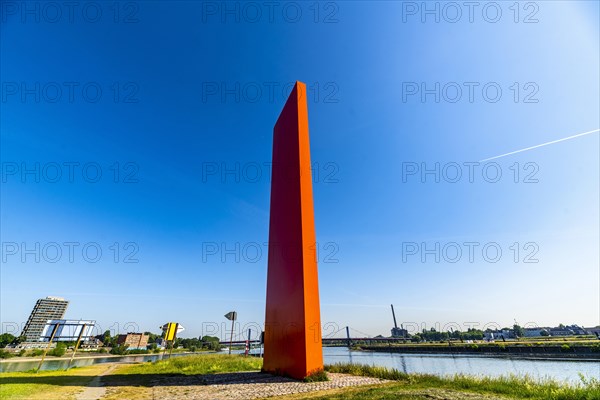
(293, 321)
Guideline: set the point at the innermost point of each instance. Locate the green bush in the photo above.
(138, 351)
(36, 352)
(119, 350)
(319, 376)
(6, 354)
(368, 370)
(58, 351)
(211, 343)
(6, 339)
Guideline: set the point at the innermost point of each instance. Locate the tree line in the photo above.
(192, 344)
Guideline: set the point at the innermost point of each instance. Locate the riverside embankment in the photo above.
(570, 352)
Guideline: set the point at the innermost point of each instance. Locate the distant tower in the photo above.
(398, 332)
(44, 310)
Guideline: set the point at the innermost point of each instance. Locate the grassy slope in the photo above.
(47, 385)
(201, 364)
(135, 382)
(405, 386)
(128, 381)
(511, 386)
(392, 391)
(419, 386)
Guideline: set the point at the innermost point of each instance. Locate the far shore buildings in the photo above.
(569, 330)
(499, 334)
(533, 332)
(593, 331)
(134, 341)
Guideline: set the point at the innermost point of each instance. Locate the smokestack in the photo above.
(394, 315)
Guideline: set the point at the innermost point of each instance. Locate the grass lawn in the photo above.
(137, 382)
(126, 382)
(193, 365)
(392, 391)
(47, 385)
(420, 386)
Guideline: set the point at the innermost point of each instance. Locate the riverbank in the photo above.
(565, 352)
(88, 356)
(421, 386)
(226, 377)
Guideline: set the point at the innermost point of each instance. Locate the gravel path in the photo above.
(95, 390)
(247, 385)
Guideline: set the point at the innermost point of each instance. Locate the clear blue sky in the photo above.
(189, 91)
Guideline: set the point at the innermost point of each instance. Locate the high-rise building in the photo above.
(44, 310)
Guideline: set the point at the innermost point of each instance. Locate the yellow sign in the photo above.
(171, 331)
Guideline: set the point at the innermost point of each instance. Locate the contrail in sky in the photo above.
(540, 145)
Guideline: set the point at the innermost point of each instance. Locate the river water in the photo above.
(52, 364)
(450, 364)
(437, 364)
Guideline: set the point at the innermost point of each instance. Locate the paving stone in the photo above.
(248, 385)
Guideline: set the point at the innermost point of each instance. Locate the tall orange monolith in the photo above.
(293, 318)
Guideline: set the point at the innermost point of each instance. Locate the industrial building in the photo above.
(398, 332)
(50, 308)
